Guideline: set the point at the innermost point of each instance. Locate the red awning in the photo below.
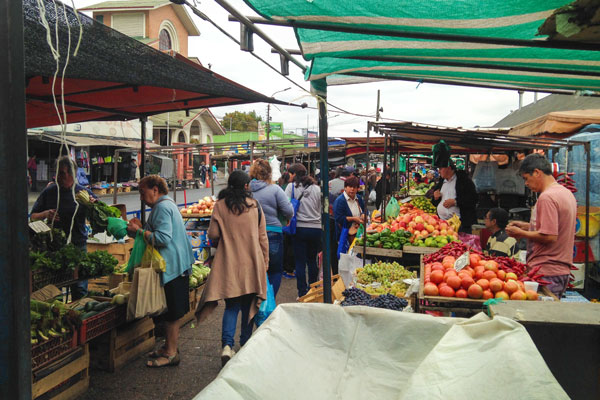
(114, 77)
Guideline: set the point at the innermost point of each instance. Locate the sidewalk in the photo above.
(200, 349)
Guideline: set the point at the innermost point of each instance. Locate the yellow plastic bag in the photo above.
(153, 259)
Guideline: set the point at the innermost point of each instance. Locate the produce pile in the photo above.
(383, 278)
(199, 275)
(418, 189)
(97, 212)
(423, 203)
(357, 297)
(52, 254)
(386, 239)
(427, 230)
(93, 307)
(483, 278)
(49, 320)
(204, 206)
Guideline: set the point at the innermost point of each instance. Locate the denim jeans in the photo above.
(232, 309)
(307, 244)
(275, 259)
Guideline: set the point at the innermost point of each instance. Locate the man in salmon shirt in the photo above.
(551, 231)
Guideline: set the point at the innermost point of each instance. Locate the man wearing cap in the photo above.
(455, 194)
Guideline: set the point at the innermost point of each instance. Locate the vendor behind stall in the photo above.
(455, 193)
(550, 232)
(46, 205)
(499, 243)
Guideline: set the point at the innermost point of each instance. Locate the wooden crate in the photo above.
(195, 295)
(315, 293)
(110, 190)
(125, 343)
(446, 304)
(377, 251)
(120, 251)
(126, 189)
(99, 192)
(419, 250)
(65, 379)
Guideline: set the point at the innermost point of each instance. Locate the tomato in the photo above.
(447, 291)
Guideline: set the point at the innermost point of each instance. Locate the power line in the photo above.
(223, 31)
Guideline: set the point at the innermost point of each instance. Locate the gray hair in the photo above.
(65, 161)
(535, 161)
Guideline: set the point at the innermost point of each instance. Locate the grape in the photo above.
(358, 297)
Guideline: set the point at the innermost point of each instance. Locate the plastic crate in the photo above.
(101, 323)
(46, 352)
(41, 278)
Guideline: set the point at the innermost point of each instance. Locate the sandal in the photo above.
(160, 352)
(171, 361)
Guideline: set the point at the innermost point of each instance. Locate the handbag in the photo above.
(290, 228)
(153, 259)
(267, 306)
(146, 296)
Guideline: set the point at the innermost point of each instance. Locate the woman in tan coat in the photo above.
(238, 231)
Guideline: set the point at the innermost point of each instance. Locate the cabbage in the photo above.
(193, 282)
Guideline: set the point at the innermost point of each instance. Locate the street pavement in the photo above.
(200, 349)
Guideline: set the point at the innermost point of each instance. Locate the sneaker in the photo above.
(226, 355)
(289, 275)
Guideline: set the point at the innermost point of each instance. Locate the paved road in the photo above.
(200, 349)
(132, 199)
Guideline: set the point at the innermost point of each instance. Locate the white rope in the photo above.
(55, 50)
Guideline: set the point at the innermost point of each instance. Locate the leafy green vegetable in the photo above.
(97, 212)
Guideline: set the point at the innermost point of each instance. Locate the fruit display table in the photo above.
(567, 336)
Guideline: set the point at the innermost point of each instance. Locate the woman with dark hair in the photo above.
(238, 275)
(274, 204)
(165, 230)
(307, 241)
(348, 208)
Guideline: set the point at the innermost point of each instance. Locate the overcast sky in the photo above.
(426, 103)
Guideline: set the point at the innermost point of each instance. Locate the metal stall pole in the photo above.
(364, 252)
(143, 121)
(282, 166)
(588, 156)
(384, 183)
(320, 87)
(308, 163)
(15, 346)
(116, 167)
(251, 153)
(212, 181)
(175, 178)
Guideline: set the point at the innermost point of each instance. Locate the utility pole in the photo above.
(268, 127)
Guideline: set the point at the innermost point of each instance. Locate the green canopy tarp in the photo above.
(393, 43)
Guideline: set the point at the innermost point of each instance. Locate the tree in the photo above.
(241, 121)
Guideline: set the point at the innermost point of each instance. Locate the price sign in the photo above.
(39, 226)
(461, 261)
(406, 200)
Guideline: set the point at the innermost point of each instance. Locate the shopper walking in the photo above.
(239, 269)
(214, 171)
(166, 231)
(203, 173)
(32, 168)
(274, 203)
(307, 241)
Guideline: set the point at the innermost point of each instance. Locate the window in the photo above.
(164, 40)
(131, 24)
(100, 18)
(167, 36)
(181, 137)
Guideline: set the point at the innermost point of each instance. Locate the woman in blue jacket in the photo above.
(349, 207)
(165, 230)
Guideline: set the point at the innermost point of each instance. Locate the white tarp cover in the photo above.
(318, 351)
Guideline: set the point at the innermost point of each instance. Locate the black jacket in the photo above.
(466, 199)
